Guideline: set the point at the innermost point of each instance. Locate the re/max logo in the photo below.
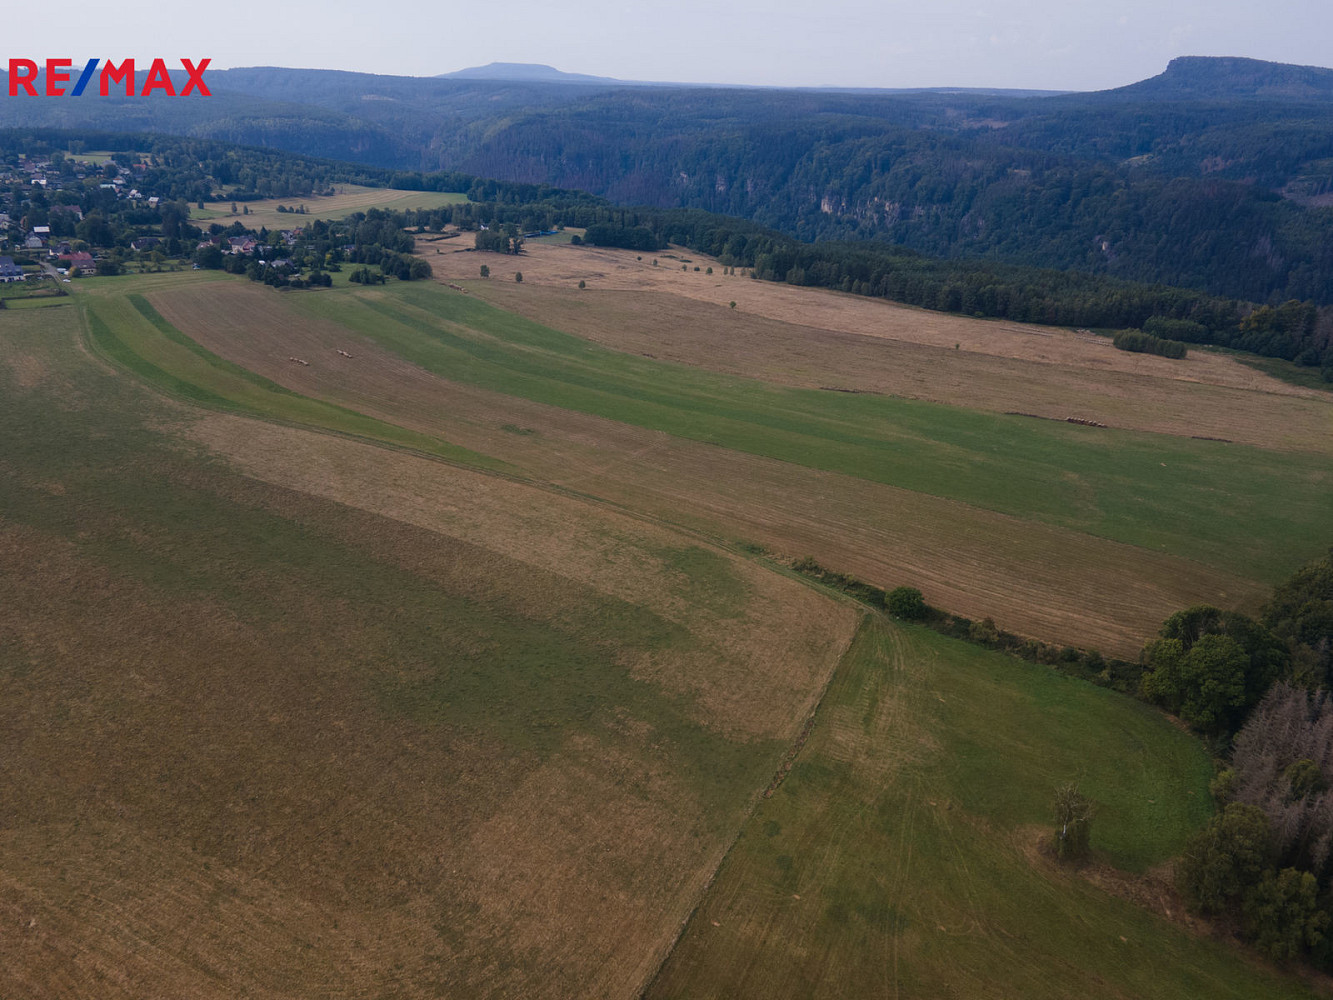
(23, 76)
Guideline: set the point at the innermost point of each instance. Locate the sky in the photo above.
(1036, 44)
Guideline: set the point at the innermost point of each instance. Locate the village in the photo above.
(56, 213)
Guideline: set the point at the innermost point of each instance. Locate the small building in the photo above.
(83, 261)
(9, 271)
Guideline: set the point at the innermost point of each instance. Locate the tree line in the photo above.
(1260, 690)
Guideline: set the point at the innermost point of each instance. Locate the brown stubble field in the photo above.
(1041, 580)
(211, 808)
(816, 338)
(214, 780)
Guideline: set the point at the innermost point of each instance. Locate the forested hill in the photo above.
(1216, 175)
(1231, 78)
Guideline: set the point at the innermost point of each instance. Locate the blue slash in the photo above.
(88, 72)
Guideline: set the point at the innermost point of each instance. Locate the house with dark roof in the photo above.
(9, 271)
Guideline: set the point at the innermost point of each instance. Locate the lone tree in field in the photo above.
(518, 276)
(1073, 822)
(485, 270)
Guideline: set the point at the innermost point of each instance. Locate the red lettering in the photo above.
(196, 79)
(25, 79)
(158, 79)
(124, 73)
(54, 76)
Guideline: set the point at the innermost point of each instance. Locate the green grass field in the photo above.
(1244, 509)
(899, 858)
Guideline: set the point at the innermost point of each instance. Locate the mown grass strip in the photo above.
(132, 333)
(1252, 511)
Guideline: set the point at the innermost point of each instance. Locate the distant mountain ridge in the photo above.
(530, 73)
(540, 73)
(1232, 78)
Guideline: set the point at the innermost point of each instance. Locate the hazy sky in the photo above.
(1044, 44)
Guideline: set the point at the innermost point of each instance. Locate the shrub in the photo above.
(905, 602)
(1145, 343)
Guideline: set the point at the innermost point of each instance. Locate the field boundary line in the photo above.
(789, 758)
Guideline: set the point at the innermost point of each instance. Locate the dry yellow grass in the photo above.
(203, 791)
(207, 808)
(1049, 582)
(776, 649)
(619, 270)
(693, 331)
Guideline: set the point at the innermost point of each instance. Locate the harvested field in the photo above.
(392, 652)
(1013, 570)
(688, 330)
(256, 741)
(618, 270)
